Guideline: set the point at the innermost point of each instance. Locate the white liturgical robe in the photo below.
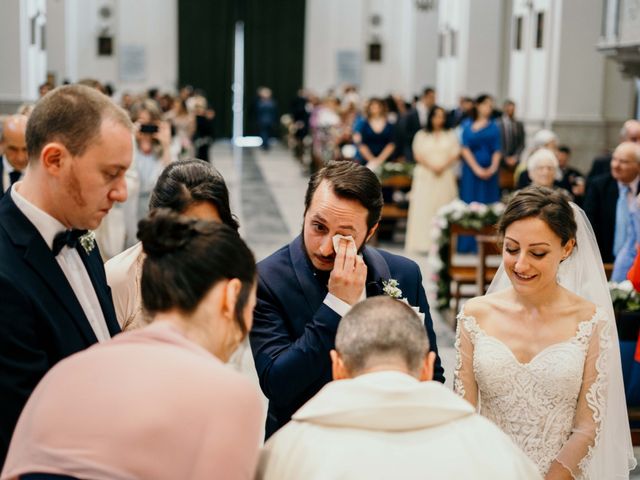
(389, 425)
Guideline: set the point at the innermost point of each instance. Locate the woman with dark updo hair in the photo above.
(538, 354)
(191, 187)
(157, 402)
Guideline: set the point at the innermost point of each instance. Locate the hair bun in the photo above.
(165, 231)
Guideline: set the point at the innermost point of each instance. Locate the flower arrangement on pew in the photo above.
(394, 169)
(624, 297)
(468, 215)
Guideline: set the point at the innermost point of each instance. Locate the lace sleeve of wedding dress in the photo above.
(464, 379)
(576, 452)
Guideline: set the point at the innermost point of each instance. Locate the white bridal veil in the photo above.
(582, 273)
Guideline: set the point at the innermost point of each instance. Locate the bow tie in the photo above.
(14, 176)
(68, 238)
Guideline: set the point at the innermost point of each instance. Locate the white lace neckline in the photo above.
(581, 330)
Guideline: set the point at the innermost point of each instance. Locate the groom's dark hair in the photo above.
(352, 181)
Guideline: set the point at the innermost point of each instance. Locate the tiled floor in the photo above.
(267, 194)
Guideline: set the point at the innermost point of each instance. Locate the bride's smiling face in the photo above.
(532, 253)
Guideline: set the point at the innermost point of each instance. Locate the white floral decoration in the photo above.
(88, 241)
(390, 288)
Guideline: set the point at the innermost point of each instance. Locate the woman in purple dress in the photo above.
(481, 154)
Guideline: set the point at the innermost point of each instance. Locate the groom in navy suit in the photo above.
(54, 299)
(306, 287)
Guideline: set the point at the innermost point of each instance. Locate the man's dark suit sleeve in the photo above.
(438, 371)
(287, 367)
(590, 203)
(21, 363)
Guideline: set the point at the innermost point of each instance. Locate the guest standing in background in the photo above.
(414, 120)
(481, 154)
(152, 153)
(513, 139)
(609, 199)
(14, 160)
(571, 179)
(435, 150)
(266, 112)
(375, 139)
(184, 124)
(204, 134)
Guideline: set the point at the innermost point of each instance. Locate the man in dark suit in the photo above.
(54, 299)
(630, 132)
(601, 202)
(459, 114)
(14, 159)
(512, 134)
(306, 287)
(414, 120)
(513, 139)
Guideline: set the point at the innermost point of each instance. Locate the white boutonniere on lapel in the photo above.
(391, 288)
(88, 241)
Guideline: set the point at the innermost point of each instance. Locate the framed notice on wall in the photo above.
(348, 63)
(133, 63)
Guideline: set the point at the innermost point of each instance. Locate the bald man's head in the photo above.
(13, 141)
(631, 131)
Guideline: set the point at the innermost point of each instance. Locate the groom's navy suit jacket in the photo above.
(41, 320)
(293, 330)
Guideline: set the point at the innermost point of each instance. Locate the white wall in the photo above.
(408, 36)
(10, 26)
(23, 63)
(151, 24)
(478, 65)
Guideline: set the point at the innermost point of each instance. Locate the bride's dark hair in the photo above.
(544, 203)
(185, 257)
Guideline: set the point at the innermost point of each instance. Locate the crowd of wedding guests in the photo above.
(120, 372)
(475, 152)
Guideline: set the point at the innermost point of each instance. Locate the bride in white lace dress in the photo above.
(539, 354)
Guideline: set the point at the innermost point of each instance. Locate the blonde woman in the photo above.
(436, 150)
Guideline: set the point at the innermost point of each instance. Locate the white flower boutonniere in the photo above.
(390, 288)
(88, 241)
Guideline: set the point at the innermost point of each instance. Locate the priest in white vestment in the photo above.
(383, 418)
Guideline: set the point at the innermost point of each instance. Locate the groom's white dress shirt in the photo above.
(69, 261)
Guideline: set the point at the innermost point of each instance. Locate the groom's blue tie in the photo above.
(622, 219)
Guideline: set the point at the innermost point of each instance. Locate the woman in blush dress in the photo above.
(435, 150)
(481, 155)
(538, 355)
(157, 402)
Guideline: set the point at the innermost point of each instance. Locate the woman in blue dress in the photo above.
(481, 154)
(375, 138)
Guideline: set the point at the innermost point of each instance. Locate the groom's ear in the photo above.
(371, 232)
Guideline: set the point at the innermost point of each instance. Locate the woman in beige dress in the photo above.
(435, 149)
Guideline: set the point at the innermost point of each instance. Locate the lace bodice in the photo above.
(535, 403)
